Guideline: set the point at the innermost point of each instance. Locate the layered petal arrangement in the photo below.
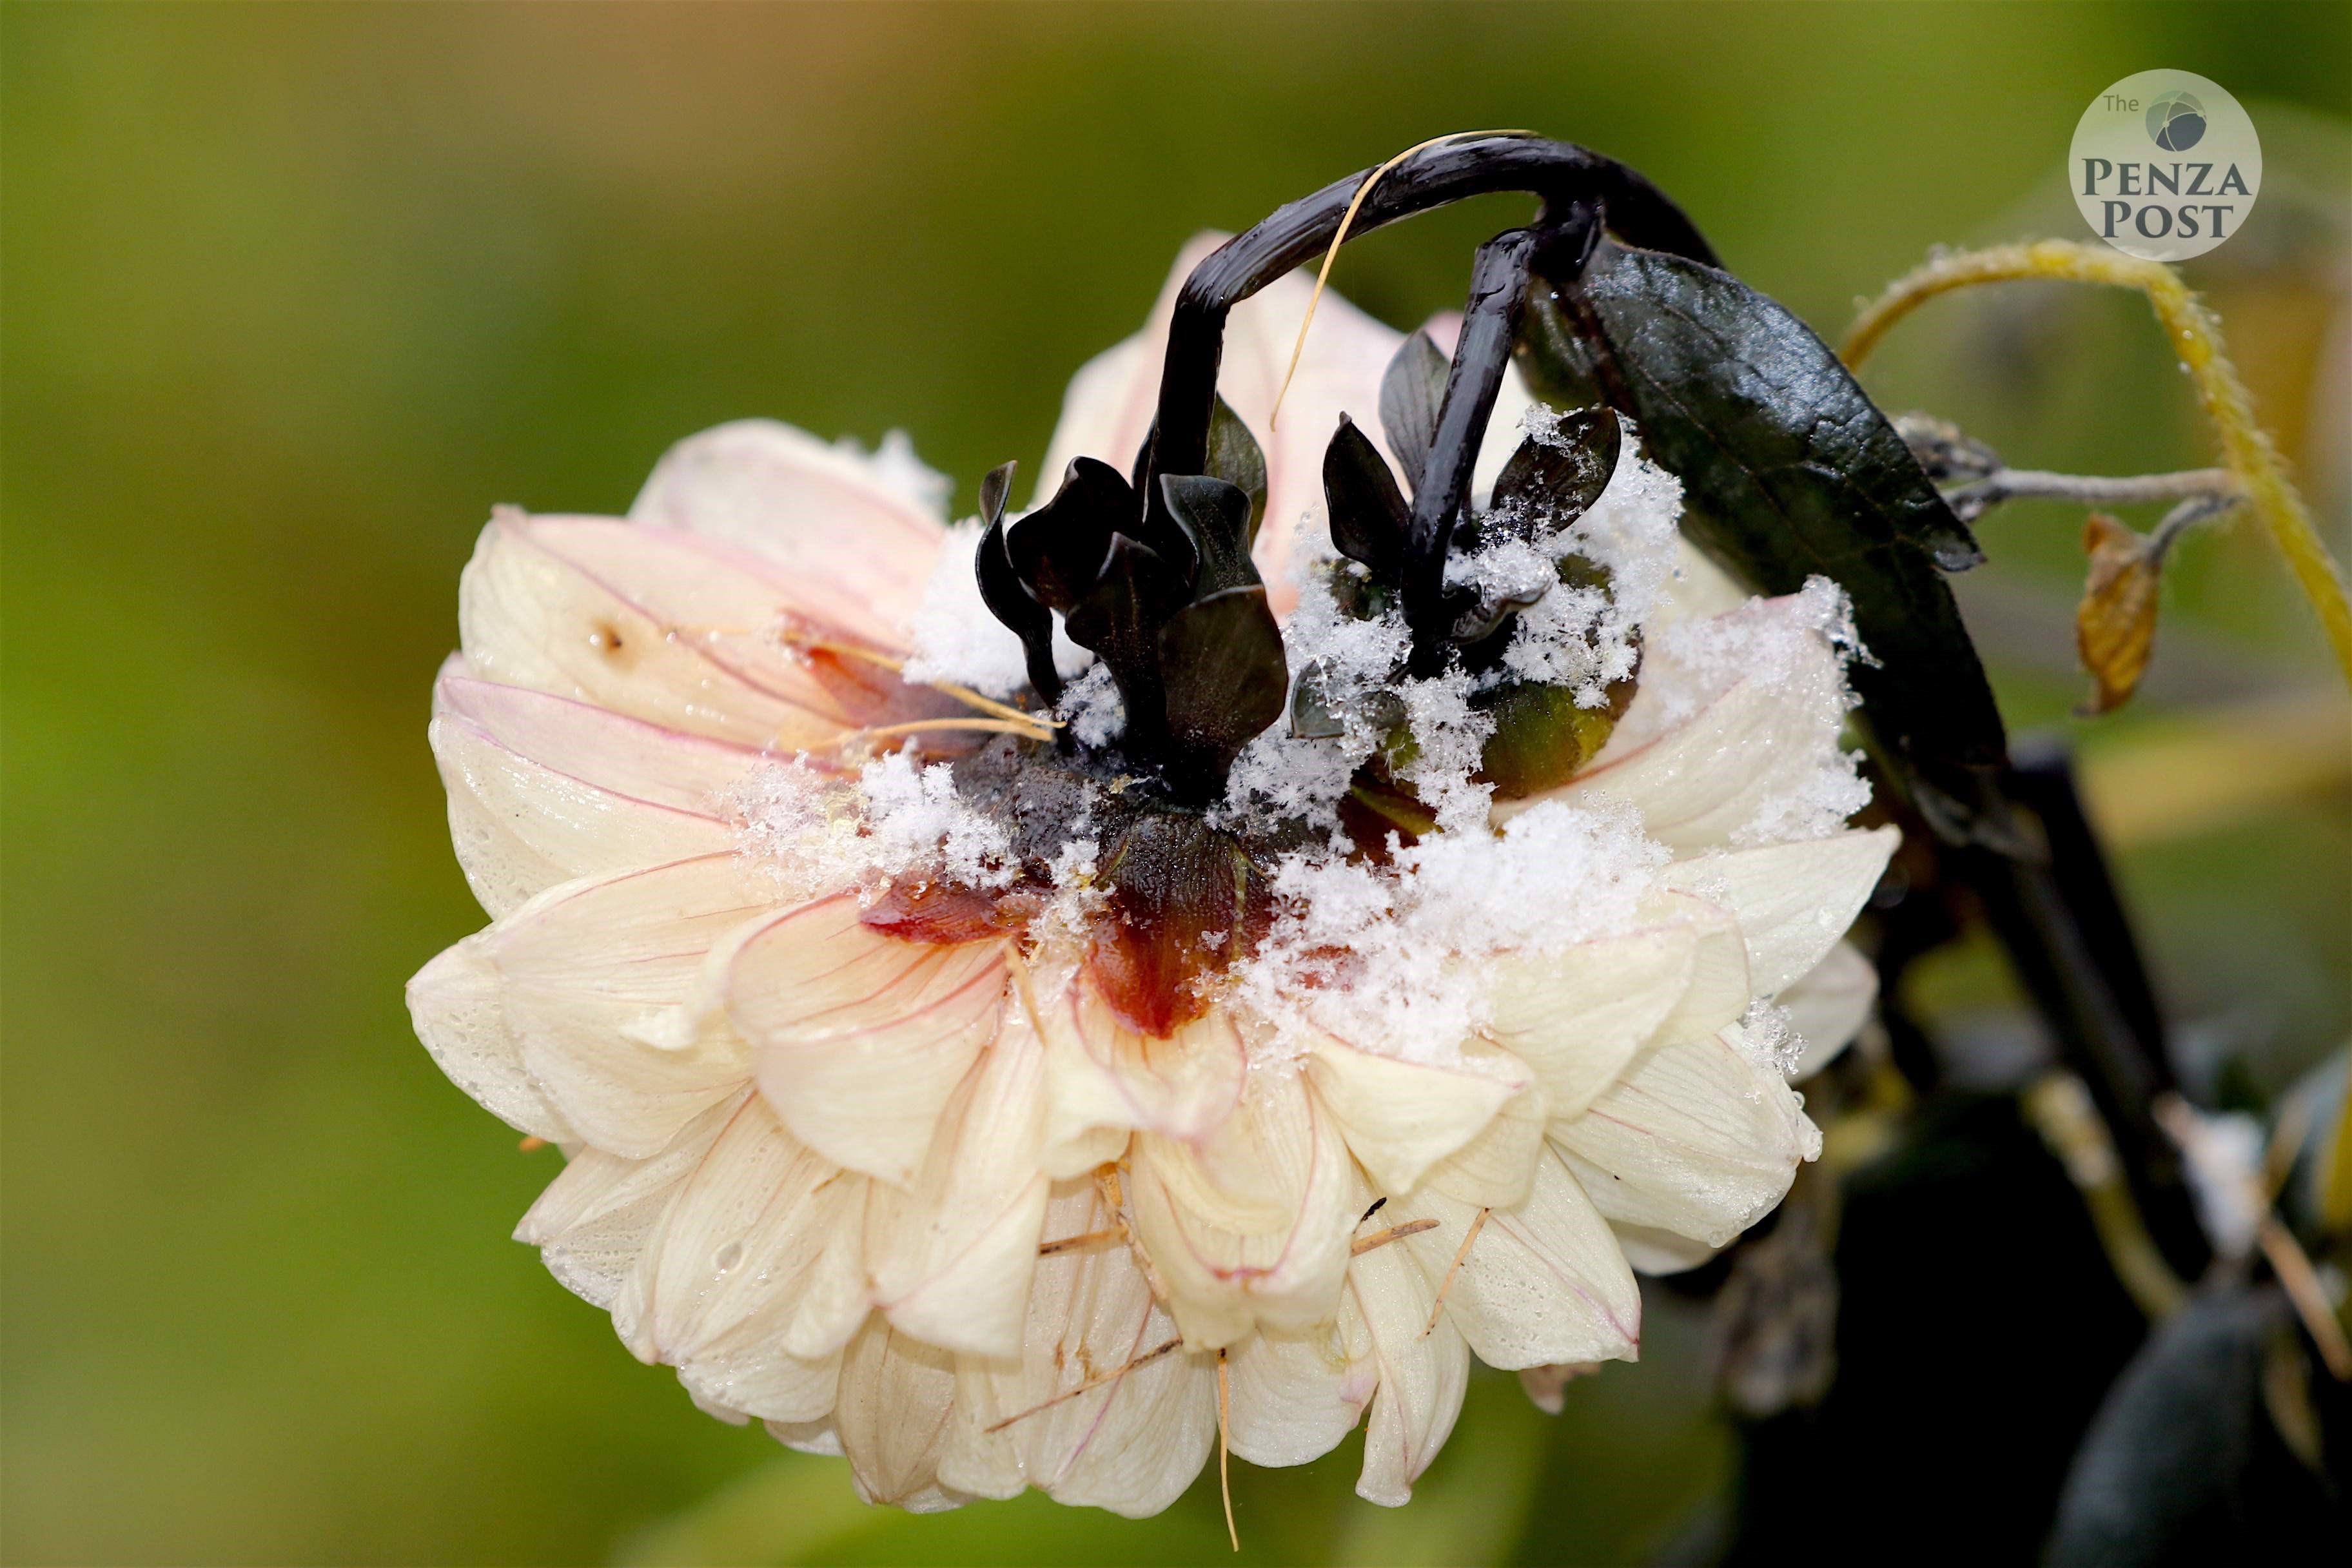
(998, 1037)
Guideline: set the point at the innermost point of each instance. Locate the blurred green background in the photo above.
(288, 296)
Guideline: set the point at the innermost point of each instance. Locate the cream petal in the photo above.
(859, 1038)
(952, 1255)
(1493, 1169)
(593, 1222)
(1294, 1396)
(539, 607)
(1104, 1075)
(1422, 1375)
(1576, 1016)
(1654, 1251)
(1697, 1139)
(1400, 1118)
(606, 750)
(458, 1005)
(570, 826)
(748, 1232)
(853, 544)
(1131, 1443)
(1111, 403)
(1253, 1225)
(1698, 781)
(820, 1437)
(892, 1418)
(1543, 1282)
(600, 976)
(1794, 902)
(1828, 1006)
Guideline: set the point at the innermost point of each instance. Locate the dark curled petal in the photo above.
(995, 487)
(1548, 485)
(1058, 551)
(1236, 458)
(1220, 660)
(1369, 522)
(1788, 470)
(1002, 591)
(1119, 618)
(1413, 389)
(1215, 518)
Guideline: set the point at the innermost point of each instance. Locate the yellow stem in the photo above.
(2196, 336)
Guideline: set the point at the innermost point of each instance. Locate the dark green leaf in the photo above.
(1548, 485)
(1311, 715)
(1370, 520)
(1788, 471)
(1412, 390)
(1236, 458)
(1059, 550)
(1220, 659)
(1214, 517)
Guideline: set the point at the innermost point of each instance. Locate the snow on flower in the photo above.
(947, 1102)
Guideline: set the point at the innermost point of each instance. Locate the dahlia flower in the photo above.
(949, 1089)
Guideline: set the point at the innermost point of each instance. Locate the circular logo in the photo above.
(2176, 123)
(2165, 165)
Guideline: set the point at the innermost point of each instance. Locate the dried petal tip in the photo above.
(2115, 625)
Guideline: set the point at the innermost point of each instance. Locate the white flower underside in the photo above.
(811, 1166)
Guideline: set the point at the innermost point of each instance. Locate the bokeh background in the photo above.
(289, 296)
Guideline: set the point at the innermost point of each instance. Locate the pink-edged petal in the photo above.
(600, 986)
(1296, 1396)
(603, 750)
(1697, 1139)
(594, 1221)
(759, 1222)
(1132, 1442)
(1576, 1017)
(1494, 1169)
(1424, 1372)
(1828, 1006)
(1544, 1281)
(1794, 902)
(951, 1256)
(1253, 1225)
(561, 605)
(893, 1415)
(1110, 404)
(855, 543)
(859, 1038)
(1104, 1075)
(457, 1005)
(1400, 1118)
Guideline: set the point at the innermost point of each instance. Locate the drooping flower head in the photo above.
(1304, 903)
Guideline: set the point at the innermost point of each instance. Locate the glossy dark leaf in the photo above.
(1312, 716)
(1788, 471)
(1548, 485)
(1370, 520)
(1119, 618)
(1236, 458)
(1221, 664)
(995, 487)
(1002, 591)
(1059, 550)
(1215, 519)
(1412, 390)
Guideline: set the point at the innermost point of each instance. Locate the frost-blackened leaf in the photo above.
(1002, 591)
(1548, 484)
(1118, 617)
(1221, 658)
(1369, 522)
(994, 486)
(1788, 471)
(1059, 549)
(1311, 714)
(1412, 390)
(1215, 518)
(1236, 458)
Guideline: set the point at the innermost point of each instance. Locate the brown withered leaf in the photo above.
(2115, 625)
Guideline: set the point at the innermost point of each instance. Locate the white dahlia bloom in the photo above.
(894, 1121)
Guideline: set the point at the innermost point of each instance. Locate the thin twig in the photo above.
(1113, 1375)
(1071, 1243)
(1972, 502)
(1438, 1306)
(918, 726)
(1224, 1446)
(1380, 1239)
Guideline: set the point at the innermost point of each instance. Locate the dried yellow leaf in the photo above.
(2115, 625)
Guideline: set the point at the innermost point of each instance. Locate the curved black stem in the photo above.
(1561, 174)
